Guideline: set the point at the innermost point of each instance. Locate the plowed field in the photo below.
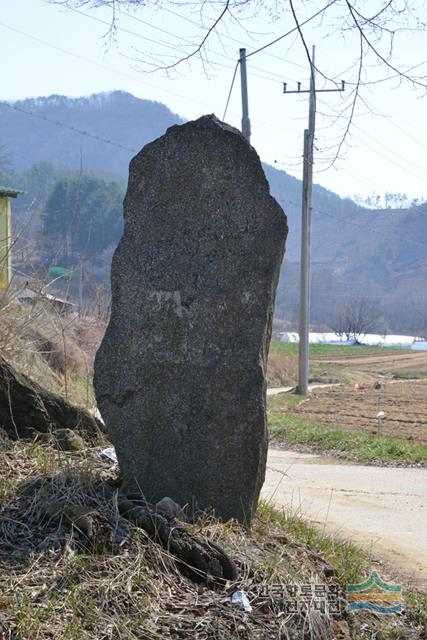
(354, 405)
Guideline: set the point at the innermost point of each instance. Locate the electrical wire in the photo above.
(392, 122)
(228, 37)
(207, 49)
(101, 66)
(81, 132)
(390, 160)
(175, 47)
(231, 89)
(144, 83)
(288, 33)
(67, 126)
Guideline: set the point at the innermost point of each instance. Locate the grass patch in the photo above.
(349, 561)
(416, 602)
(354, 445)
(291, 400)
(406, 374)
(330, 349)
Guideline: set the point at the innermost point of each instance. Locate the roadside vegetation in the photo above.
(61, 578)
(347, 561)
(352, 445)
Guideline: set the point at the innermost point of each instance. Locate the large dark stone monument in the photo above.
(180, 374)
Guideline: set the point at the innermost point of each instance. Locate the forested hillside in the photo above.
(29, 132)
(74, 184)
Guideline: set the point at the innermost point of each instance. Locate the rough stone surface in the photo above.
(180, 374)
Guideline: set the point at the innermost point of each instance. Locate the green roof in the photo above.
(6, 192)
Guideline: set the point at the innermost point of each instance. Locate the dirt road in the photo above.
(383, 509)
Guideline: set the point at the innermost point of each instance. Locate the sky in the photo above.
(52, 50)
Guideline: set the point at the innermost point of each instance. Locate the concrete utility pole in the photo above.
(304, 315)
(246, 123)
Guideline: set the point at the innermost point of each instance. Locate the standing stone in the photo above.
(180, 374)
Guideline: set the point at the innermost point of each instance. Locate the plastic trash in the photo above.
(109, 453)
(240, 599)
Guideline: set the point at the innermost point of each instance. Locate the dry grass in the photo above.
(56, 351)
(114, 582)
(282, 369)
(57, 583)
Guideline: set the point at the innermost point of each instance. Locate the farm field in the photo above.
(404, 403)
(351, 404)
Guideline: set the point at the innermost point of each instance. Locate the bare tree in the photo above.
(371, 34)
(359, 317)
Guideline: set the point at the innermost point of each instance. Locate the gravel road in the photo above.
(380, 508)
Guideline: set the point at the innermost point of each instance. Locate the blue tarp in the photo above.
(420, 346)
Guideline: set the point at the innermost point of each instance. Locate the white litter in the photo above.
(240, 599)
(110, 453)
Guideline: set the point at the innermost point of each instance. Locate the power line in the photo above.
(382, 155)
(272, 43)
(231, 89)
(288, 33)
(67, 126)
(118, 73)
(101, 66)
(171, 46)
(175, 48)
(128, 31)
(76, 56)
(391, 121)
(355, 126)
(368, 135)
(207, 49)
(261, 49)
(407, 134)
(228, 37)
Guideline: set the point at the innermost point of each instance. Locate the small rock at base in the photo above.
(68, 440)
(170, 509)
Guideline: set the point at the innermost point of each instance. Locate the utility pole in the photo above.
(246, 123)
(81, 290)
(307, 184)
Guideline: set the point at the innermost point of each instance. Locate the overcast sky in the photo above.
(47, 49)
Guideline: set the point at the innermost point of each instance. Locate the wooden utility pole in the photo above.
(307, 184)
(246, 123)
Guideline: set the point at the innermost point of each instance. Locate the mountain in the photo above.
(356, 252)
(51, 129)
